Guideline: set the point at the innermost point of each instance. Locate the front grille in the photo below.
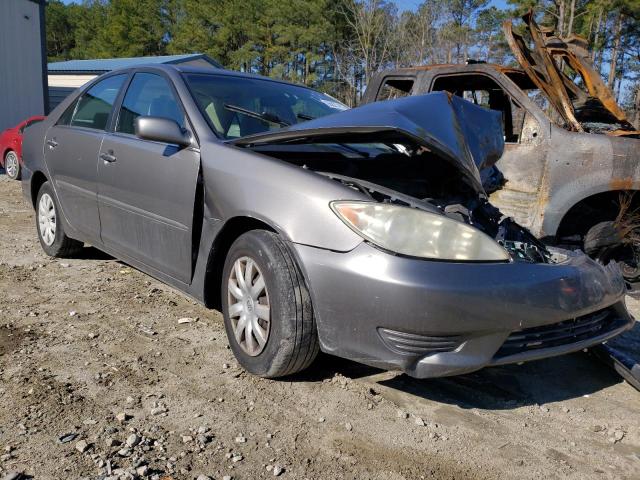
(418, 345)
(558, 334)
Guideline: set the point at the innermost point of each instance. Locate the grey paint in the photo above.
(147, 202)
(22, 77)
(549, 172)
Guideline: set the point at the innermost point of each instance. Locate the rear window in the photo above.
(94, 107)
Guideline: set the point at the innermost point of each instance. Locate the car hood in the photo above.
(468, 136)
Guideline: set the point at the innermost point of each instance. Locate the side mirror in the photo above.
(162, 130)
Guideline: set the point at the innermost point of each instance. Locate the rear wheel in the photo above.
(12, 165)
(267, 309)
(51, 233)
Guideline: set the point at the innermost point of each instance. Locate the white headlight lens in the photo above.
(418, 233)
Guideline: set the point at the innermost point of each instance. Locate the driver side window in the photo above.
(485, 92)
(148, 95)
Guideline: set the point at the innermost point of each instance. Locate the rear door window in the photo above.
(393, 88)
(94, 107)
(148, 95)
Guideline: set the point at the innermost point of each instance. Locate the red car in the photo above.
(11, 147)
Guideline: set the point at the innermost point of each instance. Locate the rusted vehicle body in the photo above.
(570, 152)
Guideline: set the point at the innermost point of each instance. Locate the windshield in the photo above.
(238, 106)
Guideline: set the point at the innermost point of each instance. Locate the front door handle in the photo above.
(52, 143)
(108, 157)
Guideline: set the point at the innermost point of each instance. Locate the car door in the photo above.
(147, 189)
(71, 152)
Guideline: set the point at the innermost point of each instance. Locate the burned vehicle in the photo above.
(364, 233)
(571, 161)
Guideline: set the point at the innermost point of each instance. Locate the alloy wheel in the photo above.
(47, 219)
(11, 164)
(249, 309)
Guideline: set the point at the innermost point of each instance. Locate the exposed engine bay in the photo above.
(413, 176)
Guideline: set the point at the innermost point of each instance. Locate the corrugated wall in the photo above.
(21, 76)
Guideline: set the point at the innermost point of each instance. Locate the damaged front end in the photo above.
(418, 152)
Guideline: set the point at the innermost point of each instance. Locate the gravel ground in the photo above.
(105, 372)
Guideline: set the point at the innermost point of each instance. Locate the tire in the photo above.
(12, 165)
(50, 228)
(291, 341)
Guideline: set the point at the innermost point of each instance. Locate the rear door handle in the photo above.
(52, 143)
(108, 157)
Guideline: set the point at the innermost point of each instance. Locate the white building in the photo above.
(65, 77)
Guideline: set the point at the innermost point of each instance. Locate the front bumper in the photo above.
(432, 319)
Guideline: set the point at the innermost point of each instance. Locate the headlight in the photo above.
(417, 233)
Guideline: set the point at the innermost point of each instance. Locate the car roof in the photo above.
(205, 71)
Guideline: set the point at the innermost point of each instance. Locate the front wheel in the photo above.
(267, 308)
(12, 165)
(51, 233)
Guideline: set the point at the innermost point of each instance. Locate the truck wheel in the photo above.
(54, 241)
(604, 242)
(267, 308)
(12, 165)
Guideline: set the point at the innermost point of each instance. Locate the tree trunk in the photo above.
(637, 108)
(561, 15)
(596, 39)
(571, 17)
(614, 52)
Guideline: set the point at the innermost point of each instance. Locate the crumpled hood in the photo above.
(468, 136)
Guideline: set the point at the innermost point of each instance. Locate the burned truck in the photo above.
(570, 166)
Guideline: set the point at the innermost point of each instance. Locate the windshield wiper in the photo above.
(304, 116)
(265, 116)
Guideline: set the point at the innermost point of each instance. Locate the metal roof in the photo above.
(102, 65)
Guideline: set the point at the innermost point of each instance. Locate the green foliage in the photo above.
(336, 45)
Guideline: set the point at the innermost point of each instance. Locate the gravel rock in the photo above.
(277, 470)
(124, 452)
(122, 417)
(203, 477)
(67, 437)
(143, 470)
(348, 426)
(111, 442)
(133, 440)
(82, 446)
(13, 476)
(241, 440)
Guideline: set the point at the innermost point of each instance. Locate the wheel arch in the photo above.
(37, 180)
(4, 154)
(230, 231)
(594, 208)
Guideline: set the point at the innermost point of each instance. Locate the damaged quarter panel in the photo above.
(605, 163)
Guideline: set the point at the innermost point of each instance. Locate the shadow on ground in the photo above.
(91, 253)
(496, 388)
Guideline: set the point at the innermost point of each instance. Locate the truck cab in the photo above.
(571, 162)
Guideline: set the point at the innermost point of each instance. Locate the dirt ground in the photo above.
(99, 378)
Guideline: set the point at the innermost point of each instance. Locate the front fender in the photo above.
(294, 201)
